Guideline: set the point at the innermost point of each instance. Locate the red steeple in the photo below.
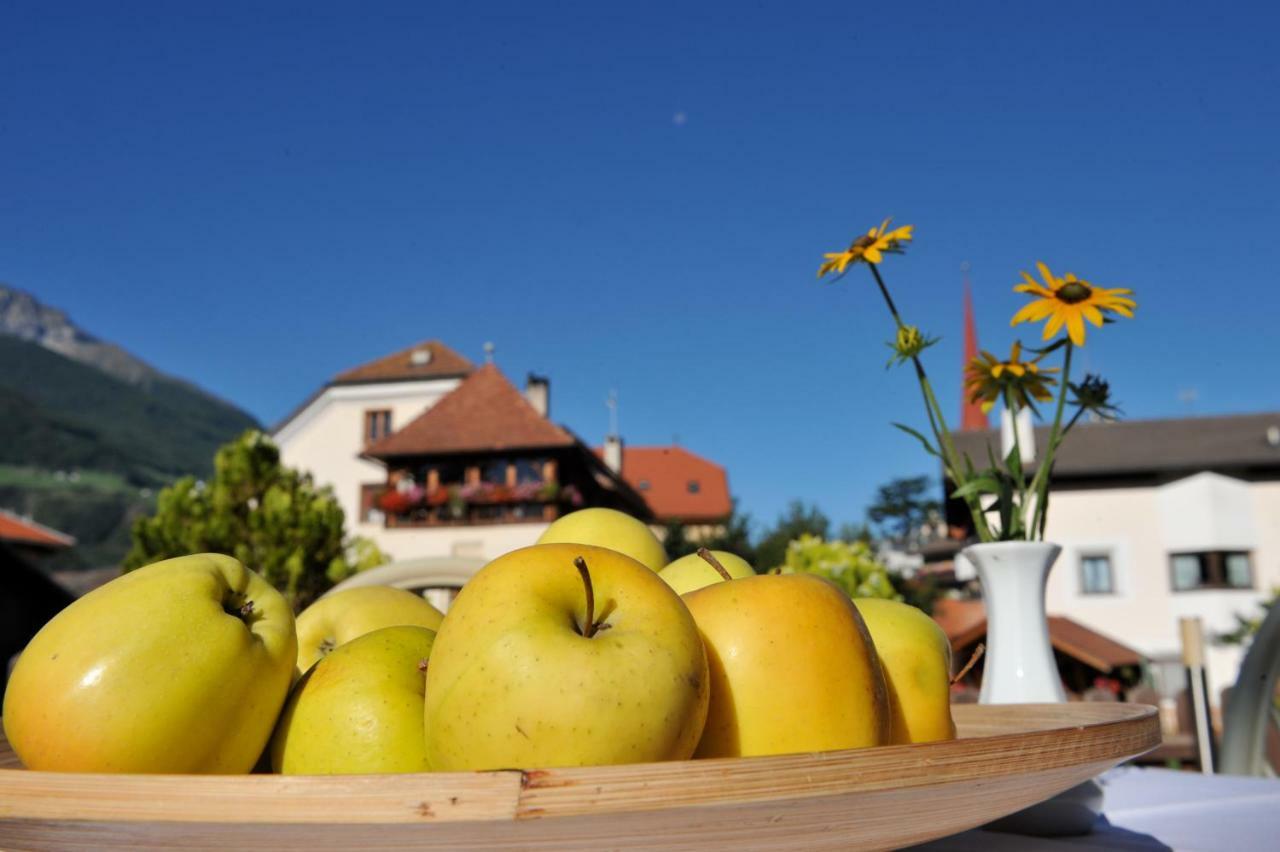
(972, 418)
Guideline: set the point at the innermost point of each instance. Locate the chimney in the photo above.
(537, 390)
(613, 453)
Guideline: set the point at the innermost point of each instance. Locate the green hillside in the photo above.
(84, 452)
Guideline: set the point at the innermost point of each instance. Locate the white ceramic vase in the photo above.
(1019, 667)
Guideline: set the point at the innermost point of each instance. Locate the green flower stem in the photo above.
(1021, 509)
(888, 300)
(937, 422)
(1040, 485)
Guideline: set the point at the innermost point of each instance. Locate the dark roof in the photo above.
(965, 622)
(1236, 443)
(429, 359)
(664, 477)
(483, 414)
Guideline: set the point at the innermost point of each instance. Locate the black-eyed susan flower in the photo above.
(987, 379)
(871, 247)
(1069, 301)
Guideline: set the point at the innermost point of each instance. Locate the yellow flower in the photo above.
(1069, 301)
(987, 378)
(870, 247)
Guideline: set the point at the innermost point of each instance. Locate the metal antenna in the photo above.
(488, 351)
(612, 404)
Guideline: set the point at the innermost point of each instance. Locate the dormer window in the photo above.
(693, 486)
(377, 424)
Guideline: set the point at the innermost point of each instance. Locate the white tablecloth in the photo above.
(1159, 809)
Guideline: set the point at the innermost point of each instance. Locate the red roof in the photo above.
(430, 359)
(484, 413)
(20, 530)
(965, 622)
(678, 485)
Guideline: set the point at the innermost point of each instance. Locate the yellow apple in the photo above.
(342, 616)
(564, 655)
(358, 710)
(792, 668)
(692, 572)
(608, 528)
(916, 658)
(181, 666)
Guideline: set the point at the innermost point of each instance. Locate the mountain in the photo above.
(22, 316)
(89, 432)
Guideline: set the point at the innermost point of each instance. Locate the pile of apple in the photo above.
(582, 649)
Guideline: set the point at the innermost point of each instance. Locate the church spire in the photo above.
(972, 417)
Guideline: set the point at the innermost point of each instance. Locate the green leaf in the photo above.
(977, 486)
(921, 438)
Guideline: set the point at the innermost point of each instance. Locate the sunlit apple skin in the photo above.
(150, 673)
(358, 710)
(916, 658)
(342, 616)
(513, 684)
(608, 528)
(792, 668)
(692, 572)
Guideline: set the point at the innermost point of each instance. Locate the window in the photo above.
(693, 486)
(377, 424)
(370, 511)
(644, 485)
(529, 470)
(1213, 569)
(1096, 577)
(495, 471)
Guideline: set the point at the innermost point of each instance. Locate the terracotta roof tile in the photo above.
(20, 530)
(484, 413)
(965, 622)
(677, 484)
(439, 361)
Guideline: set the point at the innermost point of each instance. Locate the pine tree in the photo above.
(273, 519)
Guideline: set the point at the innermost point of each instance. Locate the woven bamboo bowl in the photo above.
(1006, 757)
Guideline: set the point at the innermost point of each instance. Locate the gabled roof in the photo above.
(429, 359)
(19, 530)
(677, 484)
(965, 622)
(1242, 443)
(485, 413)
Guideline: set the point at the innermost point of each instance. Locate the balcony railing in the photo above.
(475, 504)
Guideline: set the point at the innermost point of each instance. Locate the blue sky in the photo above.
(256, 196)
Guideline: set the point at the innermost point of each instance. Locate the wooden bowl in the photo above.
(1007, 757)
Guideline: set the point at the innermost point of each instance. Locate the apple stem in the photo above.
(713, 562)
(589, 628)
(973, 658)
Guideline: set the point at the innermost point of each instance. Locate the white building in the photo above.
(430, 456)
(1161, 519)
(327, 434)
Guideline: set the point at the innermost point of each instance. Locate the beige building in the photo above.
(327, 434)
(1158, 520)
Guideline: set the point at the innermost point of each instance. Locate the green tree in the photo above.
(902, 506)
(850, 565)
(798, 520)
(676, 542)
(270, 517)
(736, 537)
